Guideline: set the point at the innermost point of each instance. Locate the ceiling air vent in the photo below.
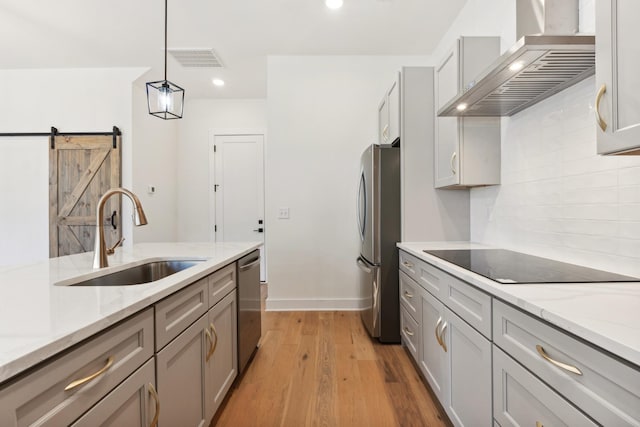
(197, 58)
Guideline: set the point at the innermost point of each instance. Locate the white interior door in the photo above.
(238, 190)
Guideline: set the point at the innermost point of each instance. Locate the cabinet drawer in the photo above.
(607, 389)
(409, 296)
(130, 404)
(40, 398)
(410, 332)
(520, 399)
(471, 304)
(176, 312)
(426, 275)
(221, 283)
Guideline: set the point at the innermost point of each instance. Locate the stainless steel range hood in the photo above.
(536, 67)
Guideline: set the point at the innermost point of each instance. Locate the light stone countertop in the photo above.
(38, 318)
(604, 314)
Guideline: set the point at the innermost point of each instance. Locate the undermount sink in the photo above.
(139, 274)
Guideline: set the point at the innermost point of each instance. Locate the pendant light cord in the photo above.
(165, 40)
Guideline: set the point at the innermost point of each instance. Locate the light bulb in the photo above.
(333, 4)
(165, 98)
(461, 107)
(218, 82)
(516, 66)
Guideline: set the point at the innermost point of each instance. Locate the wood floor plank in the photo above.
(323, 369)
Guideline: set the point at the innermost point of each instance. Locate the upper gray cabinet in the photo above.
(389, 114)
(467, 150)
(617, 103)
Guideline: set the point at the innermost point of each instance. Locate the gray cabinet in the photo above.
(181, 377)
(521, 399)
(467, 150)
(608, 390)
(389, 114)
(133, 403)
(433, 361)
(617, 102)
(468, 354)
(60, 391)
(221, 360)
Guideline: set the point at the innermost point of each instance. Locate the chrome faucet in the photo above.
(100, 251)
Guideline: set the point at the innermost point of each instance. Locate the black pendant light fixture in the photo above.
(165, 99)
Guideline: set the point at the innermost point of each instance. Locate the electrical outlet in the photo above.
(283, 213)
(151, 189)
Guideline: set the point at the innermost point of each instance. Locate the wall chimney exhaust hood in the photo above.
(537, 67)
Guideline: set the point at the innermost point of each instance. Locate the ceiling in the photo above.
(129, 33)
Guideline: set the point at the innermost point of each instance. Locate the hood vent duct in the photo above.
(537, 67)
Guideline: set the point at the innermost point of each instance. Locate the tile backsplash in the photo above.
(558, 198)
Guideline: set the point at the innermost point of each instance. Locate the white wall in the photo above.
(322, 113)
(72, 100)
(558, 198)
(154, 156)
(200, 117)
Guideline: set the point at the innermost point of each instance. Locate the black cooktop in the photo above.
(510, 267)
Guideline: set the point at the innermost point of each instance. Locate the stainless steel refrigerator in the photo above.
(378, 220)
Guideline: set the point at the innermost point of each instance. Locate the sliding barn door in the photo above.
(81, 170)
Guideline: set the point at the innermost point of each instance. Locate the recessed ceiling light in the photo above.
(333, 4)
(218, 82)
(516, 66)
(461, 107)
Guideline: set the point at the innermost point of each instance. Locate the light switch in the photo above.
(283, 213)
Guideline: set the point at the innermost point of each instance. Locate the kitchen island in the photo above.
(39, 318)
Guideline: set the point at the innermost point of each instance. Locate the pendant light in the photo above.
(165, 99)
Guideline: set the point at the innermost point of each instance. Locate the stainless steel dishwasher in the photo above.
(249, 309)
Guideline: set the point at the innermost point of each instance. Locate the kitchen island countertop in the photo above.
(604, 314)
(39, 318)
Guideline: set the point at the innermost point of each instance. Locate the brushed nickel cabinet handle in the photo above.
(385, 132)
(85, 380)
(599, 119)
(560, 365)
(436, 330)
(407, 294)
(408, 332)
(453, 167)
(442, 343)
(210, 338)
(154, 394)
(407, 264)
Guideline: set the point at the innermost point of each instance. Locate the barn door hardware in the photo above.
(116, 132)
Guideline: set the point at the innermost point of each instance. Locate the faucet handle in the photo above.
(111, 250)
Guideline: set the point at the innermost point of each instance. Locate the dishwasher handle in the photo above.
(250, 265)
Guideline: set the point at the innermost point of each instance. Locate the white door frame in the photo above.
(213, 133)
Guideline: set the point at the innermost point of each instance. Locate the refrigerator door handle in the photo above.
(363, 266)
(361, 224)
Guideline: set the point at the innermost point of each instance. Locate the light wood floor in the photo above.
(322, 369)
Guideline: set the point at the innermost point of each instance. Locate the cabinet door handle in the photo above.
(599, 119)
(436, 330)
(154, 394)
(539, 424)
(453, 167)
(407, 294)
(408, 332)
(210, 338)
(442, 343)
(560, 365)
(407, 264)
(385, 132)
(84, 380)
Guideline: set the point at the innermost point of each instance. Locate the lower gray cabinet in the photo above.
(222, 357)
(468, 353)
(133, 403)
(520, 399)
(432, 356)
(181, 377)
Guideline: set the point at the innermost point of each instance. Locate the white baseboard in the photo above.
(343, 304)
